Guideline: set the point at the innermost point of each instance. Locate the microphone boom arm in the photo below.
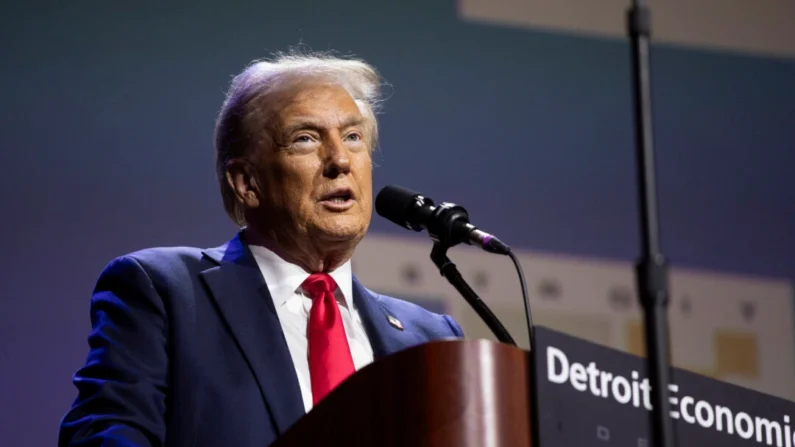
(451, 273)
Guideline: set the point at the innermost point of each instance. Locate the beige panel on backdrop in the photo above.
(730, 327)
(761, 27)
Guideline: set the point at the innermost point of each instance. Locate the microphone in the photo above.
(446, 223)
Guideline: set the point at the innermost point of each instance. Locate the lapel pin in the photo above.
(394, 322)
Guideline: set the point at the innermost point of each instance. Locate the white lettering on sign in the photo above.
(625, 390)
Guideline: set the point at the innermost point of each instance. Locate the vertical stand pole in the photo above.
(651, 269)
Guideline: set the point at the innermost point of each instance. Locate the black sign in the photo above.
(591, 395)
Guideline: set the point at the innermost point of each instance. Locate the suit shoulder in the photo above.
(401, 305)
(156, 256)
(407, 310)
(157, 262)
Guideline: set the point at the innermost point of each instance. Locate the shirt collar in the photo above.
(285, 278)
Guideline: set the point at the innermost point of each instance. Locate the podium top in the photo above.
(443, 393)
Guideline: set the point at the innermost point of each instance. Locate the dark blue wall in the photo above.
(106, 120)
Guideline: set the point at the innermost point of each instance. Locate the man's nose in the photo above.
(336, 157)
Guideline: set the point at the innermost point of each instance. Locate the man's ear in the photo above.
(240, 177)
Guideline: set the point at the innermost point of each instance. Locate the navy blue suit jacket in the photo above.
(187, 350)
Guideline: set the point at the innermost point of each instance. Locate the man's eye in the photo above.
(354, 137)
(303, 139)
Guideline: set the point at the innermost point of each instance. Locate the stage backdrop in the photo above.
(519, 110)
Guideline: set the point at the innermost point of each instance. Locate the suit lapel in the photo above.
(384, 337)
(245, 303)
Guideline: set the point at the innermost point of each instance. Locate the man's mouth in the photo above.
(339, 197)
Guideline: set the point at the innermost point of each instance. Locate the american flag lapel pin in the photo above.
(394, 322)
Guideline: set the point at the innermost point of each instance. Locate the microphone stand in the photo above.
(450, 271)
(651, 270)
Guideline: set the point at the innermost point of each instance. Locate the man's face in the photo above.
(315, 172)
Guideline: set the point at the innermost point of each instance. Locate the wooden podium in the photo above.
(445, 393)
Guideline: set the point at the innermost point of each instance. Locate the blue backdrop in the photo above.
(106, 127)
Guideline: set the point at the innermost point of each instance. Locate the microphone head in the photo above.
(397, 204)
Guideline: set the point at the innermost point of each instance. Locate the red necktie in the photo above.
(330, 360)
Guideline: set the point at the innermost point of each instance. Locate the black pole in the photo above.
(651, 270)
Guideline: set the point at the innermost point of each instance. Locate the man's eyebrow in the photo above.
(353, 121)
(312, 124)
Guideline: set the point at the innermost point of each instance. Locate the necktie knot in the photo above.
(319, 284)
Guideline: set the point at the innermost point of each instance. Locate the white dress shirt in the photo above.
(293, 305)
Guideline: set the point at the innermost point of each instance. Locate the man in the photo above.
(230, 346)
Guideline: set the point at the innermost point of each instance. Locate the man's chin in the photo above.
(341, 233)
(341, 236)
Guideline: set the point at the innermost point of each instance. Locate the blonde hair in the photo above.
(250, 96)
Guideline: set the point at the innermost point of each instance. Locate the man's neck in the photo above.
(308, 256)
